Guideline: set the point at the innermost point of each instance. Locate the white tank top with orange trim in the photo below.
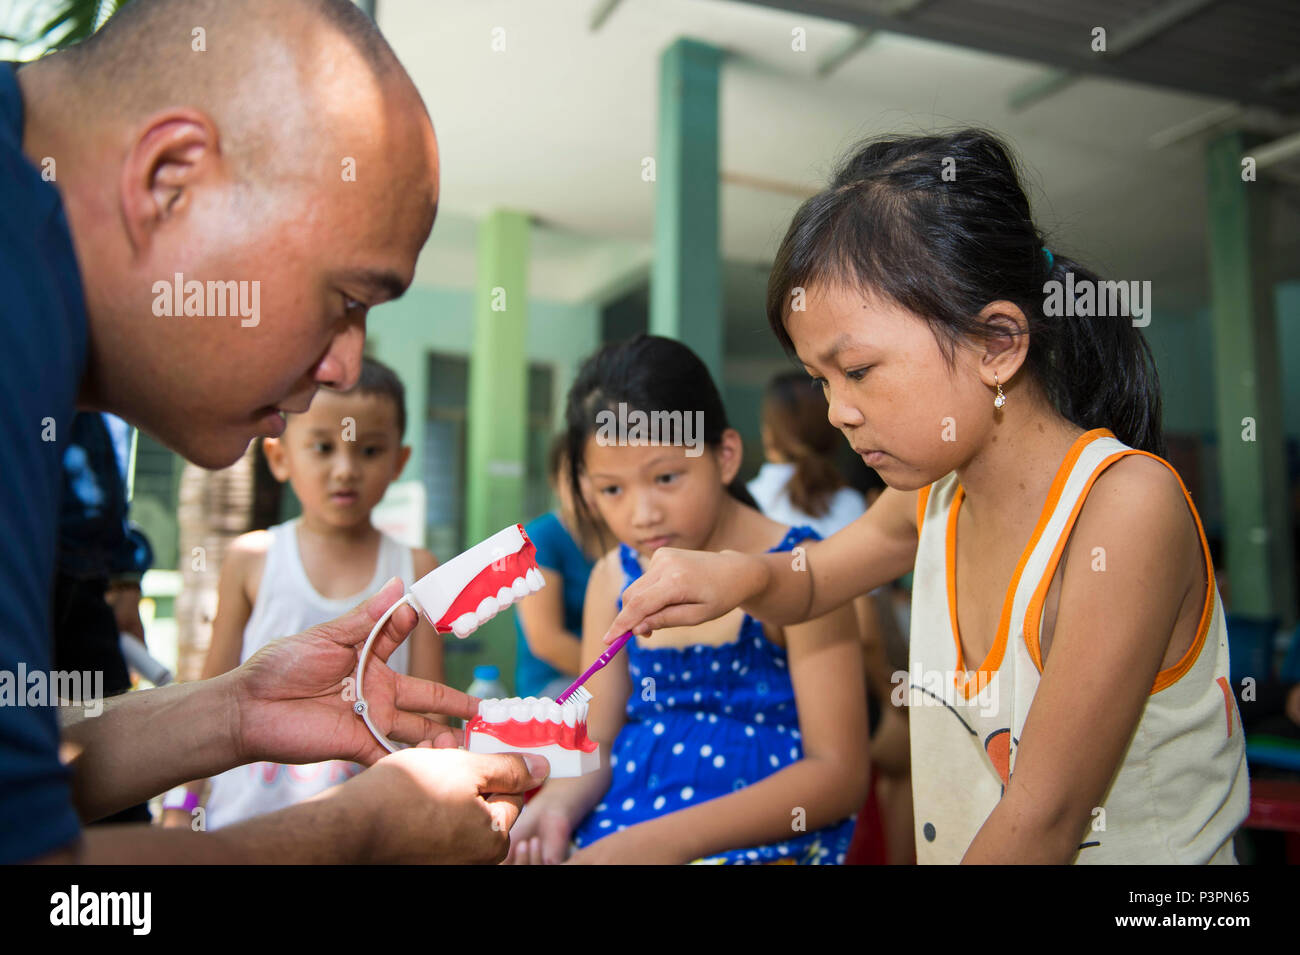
(1181, 790)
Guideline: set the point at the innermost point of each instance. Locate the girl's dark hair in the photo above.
(794, 415)
(646, 373)
(941, 226)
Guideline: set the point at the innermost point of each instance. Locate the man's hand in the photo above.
(294, 697)
(425, 805)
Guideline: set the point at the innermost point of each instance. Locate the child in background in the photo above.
(734, 742)
(339, 456)
(549, 626)
(1068, 690)
(799, 482)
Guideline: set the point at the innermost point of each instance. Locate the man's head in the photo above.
(342, 453)
(273, 151)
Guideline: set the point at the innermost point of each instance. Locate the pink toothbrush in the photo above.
(601, 660)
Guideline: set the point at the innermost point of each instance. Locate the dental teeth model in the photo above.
(465, 593)
(542, 726)
(473, 587)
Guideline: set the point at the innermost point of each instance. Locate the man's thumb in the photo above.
(387, 595)
(539, 766)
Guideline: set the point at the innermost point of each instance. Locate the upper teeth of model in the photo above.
(489, 607)
(569, 713)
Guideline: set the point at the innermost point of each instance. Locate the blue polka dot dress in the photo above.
(718, 719)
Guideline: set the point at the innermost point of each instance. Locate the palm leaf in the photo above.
(79, 17)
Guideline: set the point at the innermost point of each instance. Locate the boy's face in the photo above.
(340, 455)
(888, 387)
(658, 496)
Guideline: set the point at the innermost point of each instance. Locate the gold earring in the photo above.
(1001, 399)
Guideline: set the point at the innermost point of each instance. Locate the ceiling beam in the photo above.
(1145, 28)
(858, 41)
(746, 181)
(1277, 151)
(992, 38)
(1173, 135)
(604, 10)
(1049, 83)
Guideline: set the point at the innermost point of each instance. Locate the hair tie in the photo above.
(1050, 260)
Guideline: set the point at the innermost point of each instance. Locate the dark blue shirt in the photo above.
(43, 356)
(557, 551)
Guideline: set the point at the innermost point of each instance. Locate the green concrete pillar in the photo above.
(1248, 391)
(686, 278)
(410, 363)
(498, 406)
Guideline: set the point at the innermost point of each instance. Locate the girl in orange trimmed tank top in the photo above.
(1068, 684)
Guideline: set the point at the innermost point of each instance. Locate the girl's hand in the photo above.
(682, 588)
(632, 846)
(540, 836)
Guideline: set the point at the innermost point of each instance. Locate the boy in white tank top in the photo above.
(339, 457)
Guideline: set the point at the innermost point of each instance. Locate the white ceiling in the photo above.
(558, 123)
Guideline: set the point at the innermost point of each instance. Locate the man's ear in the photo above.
(730, 453)
(276, 459)
(173, 153)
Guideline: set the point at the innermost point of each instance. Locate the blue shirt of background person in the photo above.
(95, 537)
(549, 627)
(44, 325)
(557, 551)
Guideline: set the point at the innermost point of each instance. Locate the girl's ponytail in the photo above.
(1099, 372)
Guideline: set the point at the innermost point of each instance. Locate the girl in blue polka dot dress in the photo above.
(728, 742)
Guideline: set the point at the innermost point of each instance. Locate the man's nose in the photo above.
(340, 366)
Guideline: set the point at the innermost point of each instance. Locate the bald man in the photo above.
(277, 151)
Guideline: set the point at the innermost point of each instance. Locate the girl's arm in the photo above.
(683, 588)
(1112, 630)
(426, 660)
(542, 621)
(245, 556)
(572, 799)
(826, 785)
